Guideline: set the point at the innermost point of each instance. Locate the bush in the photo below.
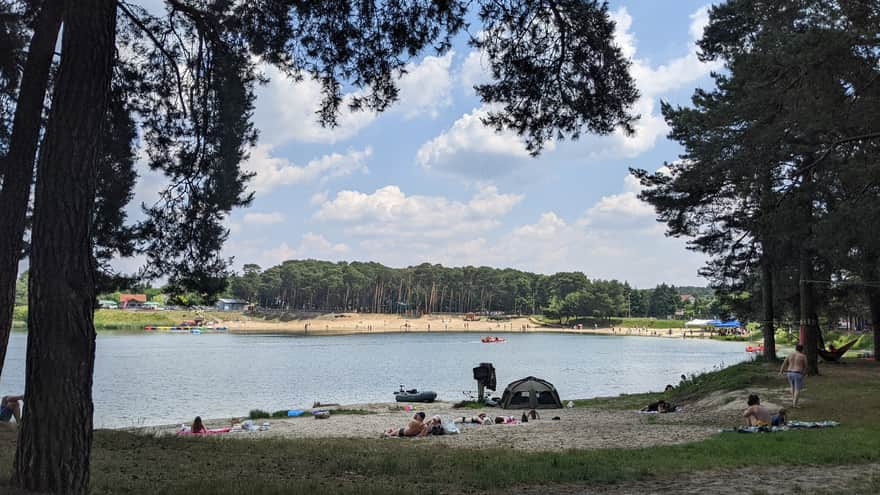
(20, 313)
(279, 414)
(260, 414)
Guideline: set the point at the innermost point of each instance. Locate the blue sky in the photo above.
(427, 182)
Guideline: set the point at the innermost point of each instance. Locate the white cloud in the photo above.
(625, 203)
(425, 88)
(474, 71)
(275, 171)
(673, 74)
(287, 111)
(472, 150)
(318, 198)
(264, 218)
(390, 212)
(310, 245)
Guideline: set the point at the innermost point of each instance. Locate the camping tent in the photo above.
(530, 393)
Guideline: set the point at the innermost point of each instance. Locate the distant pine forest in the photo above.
(310, 285)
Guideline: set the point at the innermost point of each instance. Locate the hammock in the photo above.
(834, 356)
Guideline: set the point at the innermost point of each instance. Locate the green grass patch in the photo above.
(740, 376)
(127, 463)
(650, 323)
(118, 319)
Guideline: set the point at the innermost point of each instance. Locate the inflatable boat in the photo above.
(492, 340)
(415, 396)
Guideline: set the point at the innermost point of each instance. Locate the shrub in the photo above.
(259, 414)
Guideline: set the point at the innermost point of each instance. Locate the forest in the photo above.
(426, 288)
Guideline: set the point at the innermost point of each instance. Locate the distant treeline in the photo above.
(426, 288)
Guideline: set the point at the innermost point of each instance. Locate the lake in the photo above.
(150, 378)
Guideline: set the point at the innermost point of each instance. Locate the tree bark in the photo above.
(56, 433)
(769, 329)
(19, 169)
(874, 305)
(809, 319)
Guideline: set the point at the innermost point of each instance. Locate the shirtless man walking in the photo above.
(794, 367)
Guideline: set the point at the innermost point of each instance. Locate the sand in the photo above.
(351, 323)
(577, 428)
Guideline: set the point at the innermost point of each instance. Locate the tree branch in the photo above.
(137, 22)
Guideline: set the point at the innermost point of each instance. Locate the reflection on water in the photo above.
(166, 378)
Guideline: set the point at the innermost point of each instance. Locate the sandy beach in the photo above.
(352, 323)
(576, 428)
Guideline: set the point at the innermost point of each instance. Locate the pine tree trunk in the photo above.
(19, 167)
(809, 320)
(769, 314)
(56, 433)
(874, 305)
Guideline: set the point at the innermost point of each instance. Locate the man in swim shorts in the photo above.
(794, 366)
(9, 407)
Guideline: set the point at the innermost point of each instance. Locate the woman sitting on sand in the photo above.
(415, 428)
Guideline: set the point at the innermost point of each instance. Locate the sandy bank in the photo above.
(577, 428)
(355, 323)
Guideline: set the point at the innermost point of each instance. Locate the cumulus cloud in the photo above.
(310, 245)
(268, 218)
(470, 150)
(390, 212)
(425, 88)
(673, 74)
(474, 71)
(287, 111)
(625, 203)
(274, 171)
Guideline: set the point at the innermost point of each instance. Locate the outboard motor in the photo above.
(484, 374)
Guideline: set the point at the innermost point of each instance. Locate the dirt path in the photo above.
(813, 480)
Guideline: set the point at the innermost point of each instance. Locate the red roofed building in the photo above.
(137, 299)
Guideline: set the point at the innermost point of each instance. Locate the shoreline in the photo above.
(355, 323)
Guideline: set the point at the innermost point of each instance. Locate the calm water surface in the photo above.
(147, 379)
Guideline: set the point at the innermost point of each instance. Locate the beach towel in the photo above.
(791, 425)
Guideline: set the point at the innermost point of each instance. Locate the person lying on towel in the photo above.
(415, 428)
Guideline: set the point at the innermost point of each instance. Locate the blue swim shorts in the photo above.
(5, 414)
(796, 379)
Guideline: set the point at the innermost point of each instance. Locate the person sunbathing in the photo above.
(434, 426)
(480, 419)
(198, 427)
(415, 428)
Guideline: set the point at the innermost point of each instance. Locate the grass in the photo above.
(850, 393)
(127, 463)
(117, 319)
(740, 376)
(588, 323)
